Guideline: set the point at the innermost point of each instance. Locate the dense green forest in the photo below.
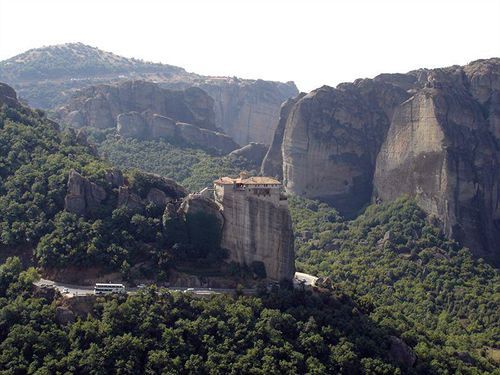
(155, 332)
(406, 276)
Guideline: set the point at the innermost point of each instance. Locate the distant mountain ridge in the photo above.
(74, 60)
(246, 109)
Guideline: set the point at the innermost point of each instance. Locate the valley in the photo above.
(381, 196)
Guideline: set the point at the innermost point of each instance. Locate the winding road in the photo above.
(71, 290)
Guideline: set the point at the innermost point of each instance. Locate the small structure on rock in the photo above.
(257, 224)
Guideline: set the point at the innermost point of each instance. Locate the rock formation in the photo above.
(257, 224)
(272, 164)
(439, 150)
(98, 106)
(253, 152)
(148, 126)
(432, 134)
(85, 197)
(8, 96)
(247, 110)
(331, 140)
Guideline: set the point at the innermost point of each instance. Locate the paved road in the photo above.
(72, 290)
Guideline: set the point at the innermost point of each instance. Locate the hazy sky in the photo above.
(310, 42)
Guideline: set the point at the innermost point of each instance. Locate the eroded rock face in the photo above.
(432, 134)
(99, 106)
(258, 230)
(272, 165)
(439, 150)
(8, 96)
(331, 140)
(83, 196)
(147, 126)
(247, 110)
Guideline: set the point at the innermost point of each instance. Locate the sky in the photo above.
(310, 42)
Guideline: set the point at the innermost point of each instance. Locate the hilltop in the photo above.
(73, 61)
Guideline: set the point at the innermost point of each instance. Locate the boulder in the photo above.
(83, 197)
(204, 222)
(253, 152)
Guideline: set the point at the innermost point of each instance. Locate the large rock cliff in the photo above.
(432, 134)
(150, 126)
(256, 230)
(331, 140)
(247, 110)
(99, 106)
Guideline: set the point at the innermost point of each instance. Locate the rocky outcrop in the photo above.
(98, 106)
(253, 152)
(272, 165)
(147, 126)
(331, 140)
(432, 134)
(247, 110)
(204, 222)
(83, 196)
(257, 228)
(439, 150)
(8, 96)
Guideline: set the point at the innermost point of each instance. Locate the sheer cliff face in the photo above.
(440, 151)
(259, 230)
(331, 140)
(99, 106)
(248, 111)
(432, 134)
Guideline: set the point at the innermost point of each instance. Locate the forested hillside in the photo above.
(406, 276)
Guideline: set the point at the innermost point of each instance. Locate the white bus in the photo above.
(109, 288)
